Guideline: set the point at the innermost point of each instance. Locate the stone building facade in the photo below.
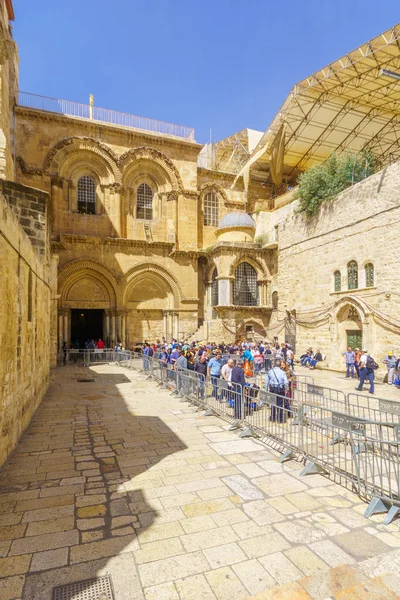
(338, 271)
(134, 226)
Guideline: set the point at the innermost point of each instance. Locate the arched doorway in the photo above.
(350, 328)
(87, 305)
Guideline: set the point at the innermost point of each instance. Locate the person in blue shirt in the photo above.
(214, 371)
(350, 359)
(277, 383)
(163, 360)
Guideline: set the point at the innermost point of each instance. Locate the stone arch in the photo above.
(157, 275)
(157, 164)
(89, 276)
(255, 263)
(349, 316)
(74, 151)
(212, 187)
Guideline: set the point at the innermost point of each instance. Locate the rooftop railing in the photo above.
(113, 117)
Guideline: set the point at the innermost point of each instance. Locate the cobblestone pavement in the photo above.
(115, 476)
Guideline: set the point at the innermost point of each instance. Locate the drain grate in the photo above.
(91, 589)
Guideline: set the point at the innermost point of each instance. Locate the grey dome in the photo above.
(236, 219)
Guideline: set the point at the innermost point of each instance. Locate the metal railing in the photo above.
(113, 117)
(333, 434)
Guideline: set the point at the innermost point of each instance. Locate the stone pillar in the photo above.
(175, 325)
(123, 330)
(60, 329)
(164, 325)
(113, 329)
(107, 329)
(127, 340)
(169, 325)
(67, 330)
(118, 321)
(224, 291)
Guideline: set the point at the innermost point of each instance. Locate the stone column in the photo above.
(164, 326)
(169, 325)
(224, 291)
(113, 329)
(175, 325)
(60, 329)
(123, 330)
(118, 321)
(67, 330)
(107, 329)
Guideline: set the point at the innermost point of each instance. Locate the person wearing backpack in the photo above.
(367, 371)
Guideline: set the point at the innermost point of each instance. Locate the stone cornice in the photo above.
(83, 239)
(250, 309)
(135, 136)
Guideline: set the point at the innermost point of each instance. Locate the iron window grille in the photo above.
(87, 195)
(369, 275)
(352, 275)
(337, 276)
(245, 286)
(144, 199)
(211, 209)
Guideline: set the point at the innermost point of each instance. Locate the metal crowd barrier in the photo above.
(356, 438)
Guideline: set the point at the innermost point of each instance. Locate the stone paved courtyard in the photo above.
(115, 476)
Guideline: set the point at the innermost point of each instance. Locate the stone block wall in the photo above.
(30, 208)
(25, 308)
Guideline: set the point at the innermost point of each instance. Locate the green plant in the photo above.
(322, 182)
(261, 239)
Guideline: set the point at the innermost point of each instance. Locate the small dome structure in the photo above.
(236, 219)
(236, 226)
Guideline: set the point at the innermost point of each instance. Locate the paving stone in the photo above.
(289, 591)
(360, 544)
(103, 549)
(250, 529)
(14, 565)
(205, 508)
(331, 553)
(92, 511)
(326, 585)
(158, 550)
(91, 536)
(10, 532)
(45, 514)
(221, 556)
(305, 560)
(161, 516)
(48, 541)
(253, 576)
(243, 488)
(165, 591)
(264, 544)
(280, 484)
(49, 559)
(85, 524)
(162, 531)
(300, 532)
(226, 585)
(202, 523)
(262, 513)
(169, 569)
(52, 526)
(195, 587)
(205, 539)
(11, 587)
(280, 567)
(375, 589)
(90, 500)
(229, 517)
(235, 447)
(4, 548)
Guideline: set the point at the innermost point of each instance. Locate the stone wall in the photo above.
(25, 339)
(361, 224)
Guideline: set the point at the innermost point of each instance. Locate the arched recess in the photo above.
(208, 187)
(84, 284)
(159, 276)
(257, 265)
(74, 150)
(145, 160)
(151, 296)
(351, 326)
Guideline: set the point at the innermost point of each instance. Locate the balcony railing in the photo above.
(85, 111)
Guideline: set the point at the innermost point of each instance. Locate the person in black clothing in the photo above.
(200, 366)
(237, 377)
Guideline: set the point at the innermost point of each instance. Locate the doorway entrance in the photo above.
(86, 324)
(354, 339)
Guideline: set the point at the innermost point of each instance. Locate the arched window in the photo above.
(245, 286)
(214, 288)
(274, 300)
(144, 202)
(337, 277)
(87, 195)
(352, 275)
(211, 209)
(369, 275)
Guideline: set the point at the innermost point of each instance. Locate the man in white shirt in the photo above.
(226, 371)
(365, 373)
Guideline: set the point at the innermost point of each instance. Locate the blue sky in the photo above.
(215, 64)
